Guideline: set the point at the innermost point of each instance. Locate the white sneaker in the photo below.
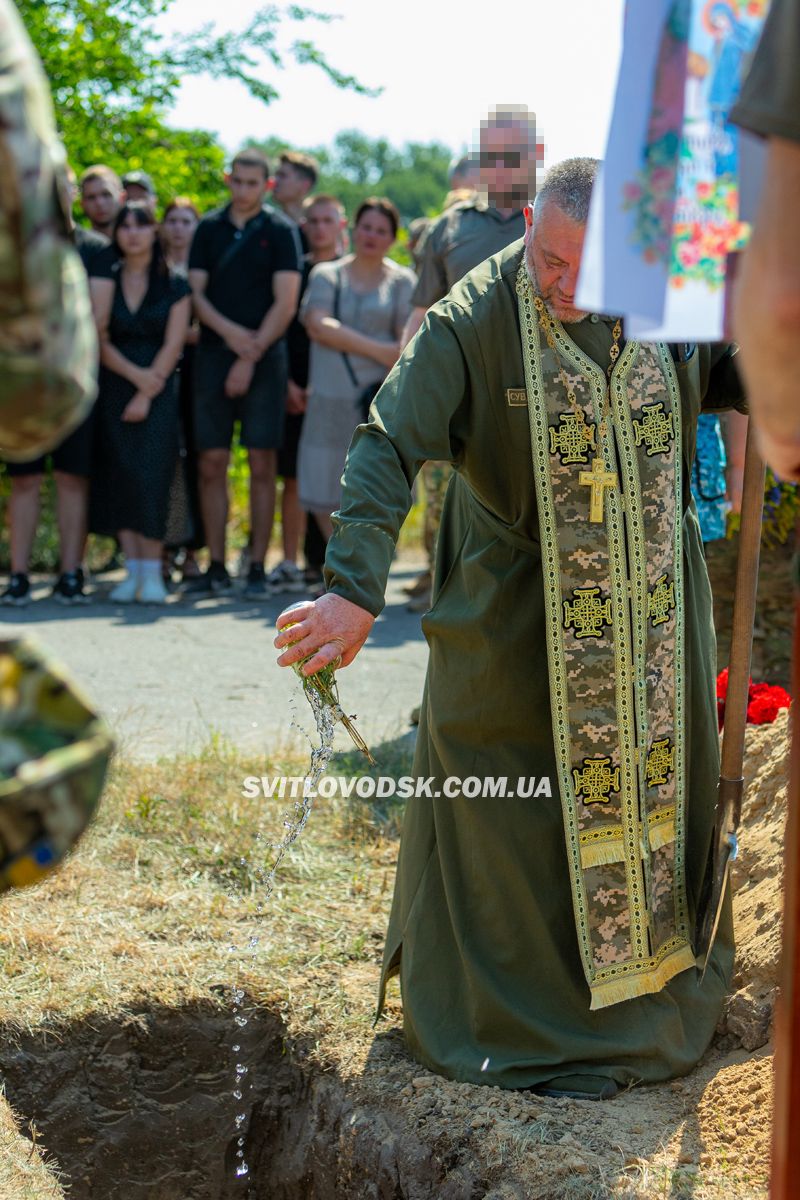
(152, 591)
(124, 592)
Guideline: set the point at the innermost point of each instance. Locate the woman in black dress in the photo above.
(142, 317)
(185, 522)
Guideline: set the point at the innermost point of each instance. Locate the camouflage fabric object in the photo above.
(48, 347)
(435, 476)
(54, 752)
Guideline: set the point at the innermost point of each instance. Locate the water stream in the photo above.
(294, 822)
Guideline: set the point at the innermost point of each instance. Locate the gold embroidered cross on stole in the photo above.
(598, 479)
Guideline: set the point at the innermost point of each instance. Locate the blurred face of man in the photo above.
(289, 186)
(135, 191)
(100, 202)
(468, 179)
(553, 246)
(323, 227)
(507, 165)
(247, 186)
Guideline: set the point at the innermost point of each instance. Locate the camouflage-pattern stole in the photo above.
(614, 605)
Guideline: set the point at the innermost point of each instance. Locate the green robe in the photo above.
(482, 928)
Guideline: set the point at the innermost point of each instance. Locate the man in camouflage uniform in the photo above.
(542, 924)
(48, 347)
(463, 236)
(53, 749)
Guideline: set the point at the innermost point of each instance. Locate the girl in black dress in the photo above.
(142, 316)
(185, 523)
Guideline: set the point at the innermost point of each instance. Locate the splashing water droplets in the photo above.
(294, 822)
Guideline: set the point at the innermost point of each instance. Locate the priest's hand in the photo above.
(331, 626)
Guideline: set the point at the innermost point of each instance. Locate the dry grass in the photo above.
(162, 907)
(24, 1174)
(163, 900)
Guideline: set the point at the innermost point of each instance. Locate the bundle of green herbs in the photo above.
(321, 689)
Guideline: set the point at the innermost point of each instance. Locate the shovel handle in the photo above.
(744, 610)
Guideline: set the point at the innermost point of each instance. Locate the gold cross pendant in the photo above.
(598, 479)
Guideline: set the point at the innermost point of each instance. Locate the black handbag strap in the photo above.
(337, 292)
(237, 245)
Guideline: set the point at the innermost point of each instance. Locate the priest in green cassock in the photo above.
(546, 940)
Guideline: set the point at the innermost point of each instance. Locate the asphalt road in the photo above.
(168, 679)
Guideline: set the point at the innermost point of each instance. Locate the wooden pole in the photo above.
(744, 611)
(731, 783)
(785, 1180)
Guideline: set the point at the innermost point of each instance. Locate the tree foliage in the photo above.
(114, 75)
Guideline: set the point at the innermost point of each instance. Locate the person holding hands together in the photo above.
(245, 272)
(142, 315)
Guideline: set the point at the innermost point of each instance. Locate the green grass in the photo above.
(45, 552)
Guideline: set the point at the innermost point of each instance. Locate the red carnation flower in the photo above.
(762, 710)
(765, 700)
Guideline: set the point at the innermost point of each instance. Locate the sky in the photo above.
(441, 70)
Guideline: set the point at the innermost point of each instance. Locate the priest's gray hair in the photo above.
(568, 185)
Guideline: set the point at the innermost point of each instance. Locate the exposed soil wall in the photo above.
(136, 1104)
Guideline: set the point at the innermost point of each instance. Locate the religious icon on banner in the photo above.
(682, 200)
(651, 195)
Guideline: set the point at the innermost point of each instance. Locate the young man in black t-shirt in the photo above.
(245, 272)
(101, 196)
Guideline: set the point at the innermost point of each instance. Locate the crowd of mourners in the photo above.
(273, 315)
(277, 316)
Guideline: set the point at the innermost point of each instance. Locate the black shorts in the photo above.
(73, 456)
(287, 455)
(261, 410)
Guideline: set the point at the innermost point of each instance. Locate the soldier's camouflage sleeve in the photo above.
(54, 753)
(48, 346)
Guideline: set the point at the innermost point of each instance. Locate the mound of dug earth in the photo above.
(757, 877)
(117, 1037)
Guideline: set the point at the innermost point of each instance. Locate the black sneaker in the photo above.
(17, 591)
(256, 587)
(212, 582)
(286, 577)
(69, 589)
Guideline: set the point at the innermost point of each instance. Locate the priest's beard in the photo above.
(567, 316)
